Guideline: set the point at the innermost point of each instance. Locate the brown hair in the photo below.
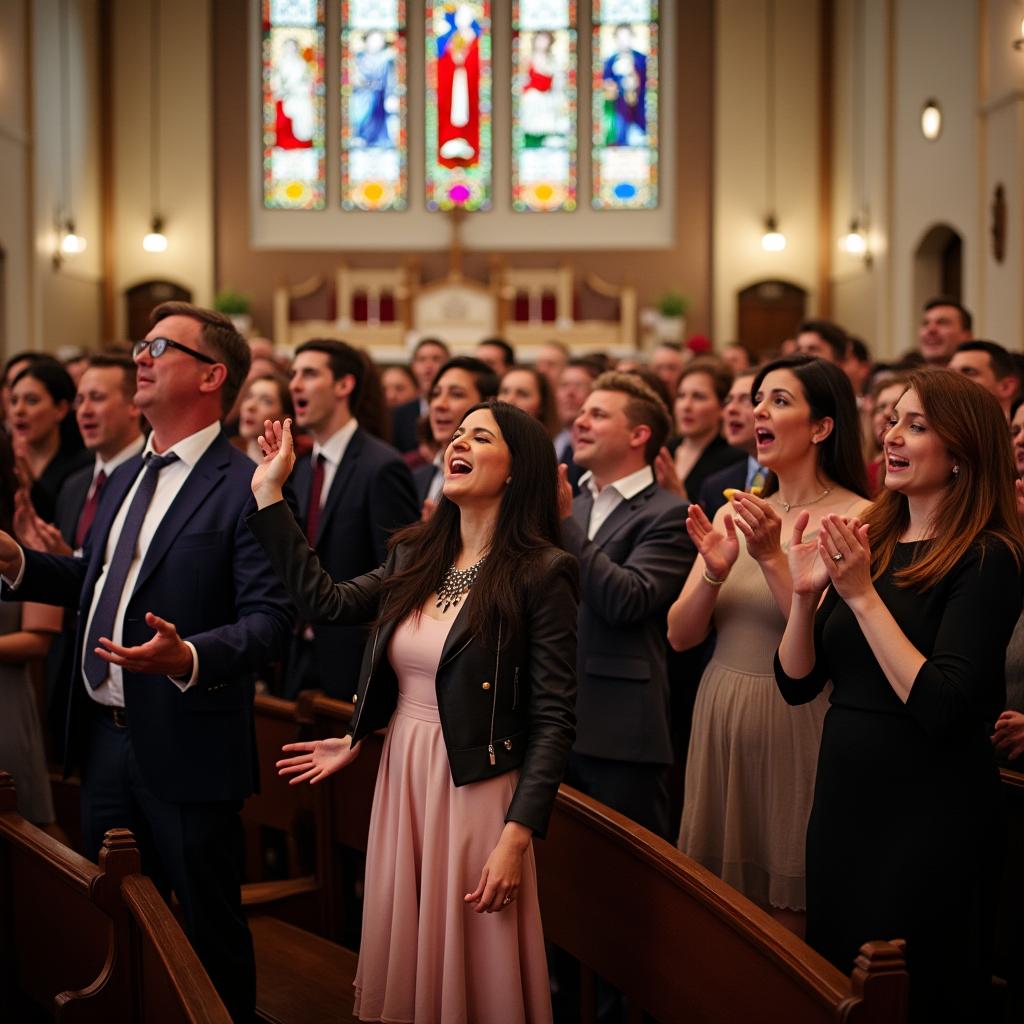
(221, 338)
(643, 408)
(117, 361)
(720, 374)
(980, 501)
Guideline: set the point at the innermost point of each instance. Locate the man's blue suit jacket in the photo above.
(206, 573)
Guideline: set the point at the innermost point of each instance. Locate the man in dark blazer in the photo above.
(353, 492)
(160, 719)
(738, 430)
(109, 424)
(427, 358)
(630, 538)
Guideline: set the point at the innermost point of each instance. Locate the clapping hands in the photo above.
(718, 548)
(841, 555)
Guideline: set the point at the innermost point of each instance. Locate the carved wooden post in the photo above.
(879, 983)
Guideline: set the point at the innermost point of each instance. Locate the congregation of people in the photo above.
(722, 593)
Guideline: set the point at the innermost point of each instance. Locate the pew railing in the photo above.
(87, 942)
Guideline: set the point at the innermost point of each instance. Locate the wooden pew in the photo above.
(669, 935)
(82, 943)
(679, 943)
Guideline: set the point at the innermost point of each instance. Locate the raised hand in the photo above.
(718, 549)
(164, 654)
(32, 531)
(1008, 738)
(808, 571)
(665, 473)
(760, 524)
(564, 492)
(10, 556)
(278, 461)
(316, 759)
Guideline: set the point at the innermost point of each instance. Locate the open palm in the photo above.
(718, 548)
(810, 577)
(278, 461)
(316, 759)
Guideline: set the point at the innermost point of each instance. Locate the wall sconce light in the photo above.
(854, 241)
(1018, 43)
(156, 240)
(931, 120)
(71, 243)
(773, 240)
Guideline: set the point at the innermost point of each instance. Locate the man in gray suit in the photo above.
(630, 538)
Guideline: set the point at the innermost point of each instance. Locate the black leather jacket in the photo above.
(501, 707)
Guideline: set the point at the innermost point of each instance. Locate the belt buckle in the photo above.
(119, 717)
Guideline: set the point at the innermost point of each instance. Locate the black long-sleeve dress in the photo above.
(904, 835)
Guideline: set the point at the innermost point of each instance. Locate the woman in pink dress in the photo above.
(471, 666)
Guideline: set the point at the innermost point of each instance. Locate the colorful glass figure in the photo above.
(374, 143)
(293, 104)
(458, 105)
(625, 88)
(543, 105)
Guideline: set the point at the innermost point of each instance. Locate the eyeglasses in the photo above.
(158, 346)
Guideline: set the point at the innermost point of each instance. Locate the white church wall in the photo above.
(16, 329)
(740, 142)
(1000, 306)
(185, 149)
(66, 174)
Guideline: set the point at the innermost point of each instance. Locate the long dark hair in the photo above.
(61, 388)
(527, 527)
(829, 393)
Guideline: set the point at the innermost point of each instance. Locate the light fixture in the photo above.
(773, 240)
(156, 240)
(70, 242)
(1018, 43)
(855, 241)
(931, 120)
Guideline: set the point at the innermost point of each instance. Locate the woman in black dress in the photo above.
(920, 599)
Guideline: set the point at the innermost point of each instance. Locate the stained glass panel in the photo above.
(543, 105)
(293, 104)
(374, 108)
(625, 130)
(458, 105)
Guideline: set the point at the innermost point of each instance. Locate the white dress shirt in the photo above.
(612, 495)
(333, 450)
(170, 481)
(437, 480)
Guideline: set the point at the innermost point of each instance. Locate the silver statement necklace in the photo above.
(803, 504)
(455, 585)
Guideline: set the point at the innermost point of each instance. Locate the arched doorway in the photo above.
(142, 297)
(938, 265)
(768, 313)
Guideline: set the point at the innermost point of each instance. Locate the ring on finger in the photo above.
(506, 901)
(837, 557)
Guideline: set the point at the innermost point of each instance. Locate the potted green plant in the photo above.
(236, 306)
(670, 320)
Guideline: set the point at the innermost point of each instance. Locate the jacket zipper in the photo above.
(494, 696)
(366, 689)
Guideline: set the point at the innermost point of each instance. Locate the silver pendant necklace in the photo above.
(455, 584)
(803, 504)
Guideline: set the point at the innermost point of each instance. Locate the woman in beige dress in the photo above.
(751, 763)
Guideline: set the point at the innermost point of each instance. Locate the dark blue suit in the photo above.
(178, 773)
(371, 496)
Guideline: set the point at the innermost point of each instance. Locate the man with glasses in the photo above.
(178, 607)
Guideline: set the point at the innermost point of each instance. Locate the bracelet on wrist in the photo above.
(708, 578)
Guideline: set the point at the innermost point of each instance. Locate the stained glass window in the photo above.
(625, 131)
(458, 105)
(543, 105)
(293, 104)
(374, 142)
